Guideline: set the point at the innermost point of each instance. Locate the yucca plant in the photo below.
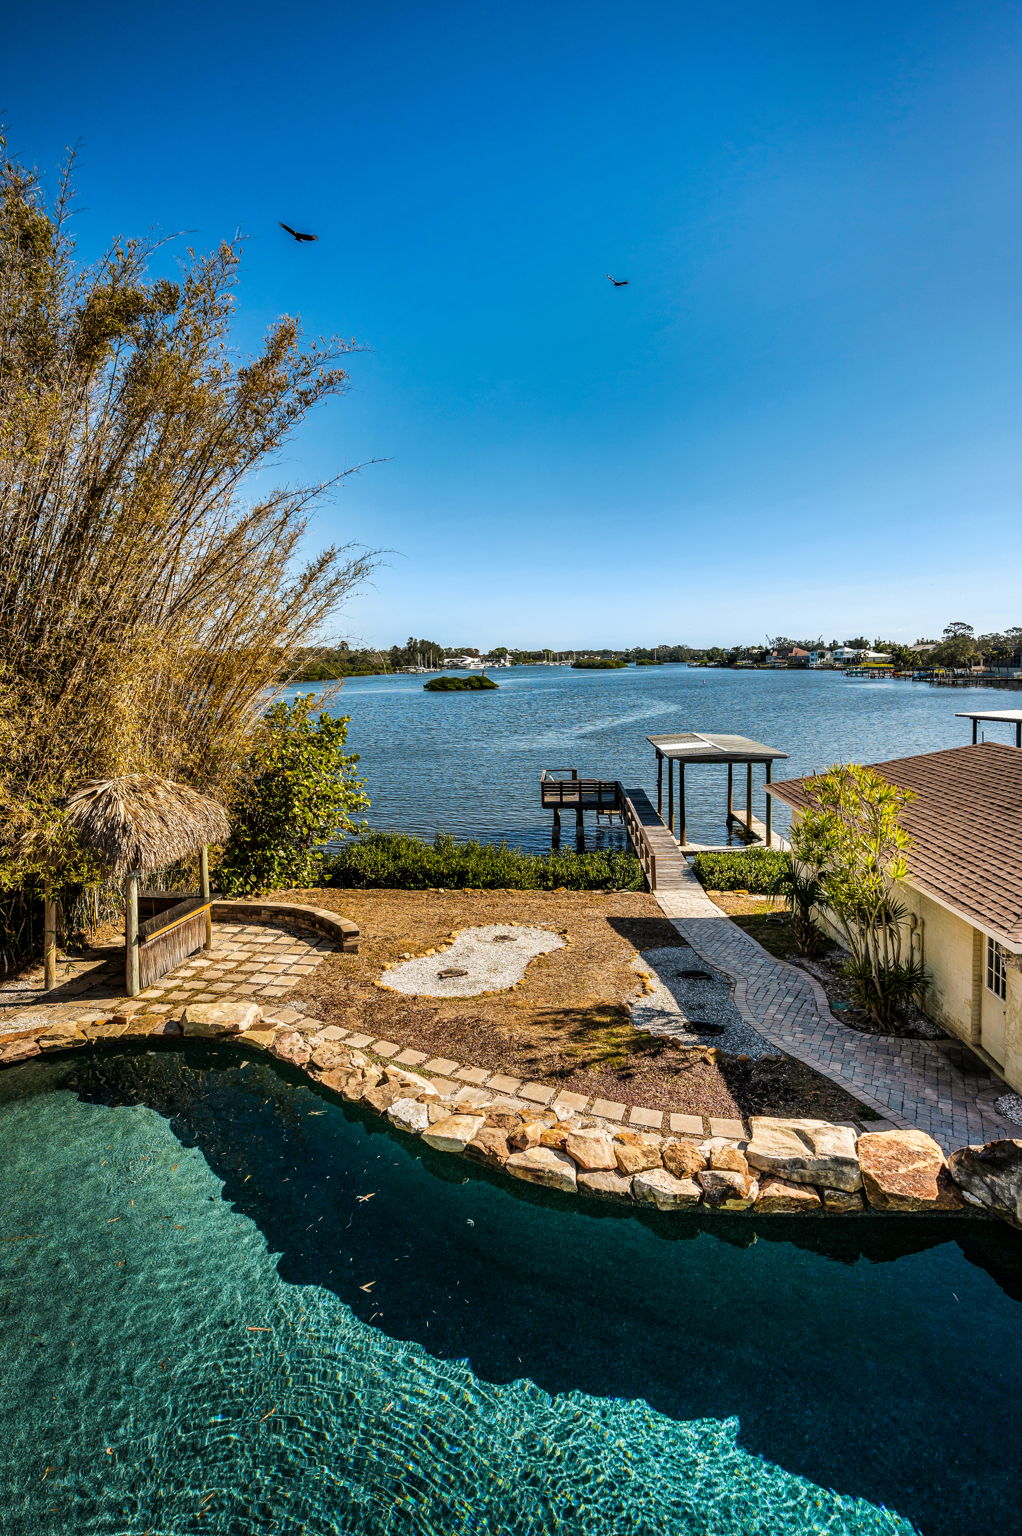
(803, 889)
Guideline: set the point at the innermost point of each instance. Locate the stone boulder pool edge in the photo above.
(779, 1169)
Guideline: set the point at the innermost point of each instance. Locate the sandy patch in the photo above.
(492, 958)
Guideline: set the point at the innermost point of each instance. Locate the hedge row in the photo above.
(741, 869)
(393, 861)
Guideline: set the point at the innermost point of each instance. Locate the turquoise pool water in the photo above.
(205, 1330)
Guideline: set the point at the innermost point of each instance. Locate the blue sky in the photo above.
(802, 414)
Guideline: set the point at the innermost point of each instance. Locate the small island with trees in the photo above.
(477, 683)
(598, 664)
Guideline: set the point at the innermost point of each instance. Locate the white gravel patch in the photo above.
(679, 1005)
(492, 958)
(1010, 1106)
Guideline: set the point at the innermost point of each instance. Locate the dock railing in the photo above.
(656, 849)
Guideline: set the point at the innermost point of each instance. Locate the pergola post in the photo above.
(681, 802)
(132, 982)
(730, 792)
(769, 807)
(670, 794)
(205, 892)
(49, 942)
(660, 785)
(748, 802)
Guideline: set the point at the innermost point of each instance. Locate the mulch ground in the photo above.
(568, 1021)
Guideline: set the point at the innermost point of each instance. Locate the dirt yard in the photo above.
(568, 1021)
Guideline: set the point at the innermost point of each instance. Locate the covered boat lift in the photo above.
(688, 748)
(1001, 716)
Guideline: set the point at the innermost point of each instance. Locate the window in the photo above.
(997, 969)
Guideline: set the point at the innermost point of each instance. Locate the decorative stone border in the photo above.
(532, 1132)
(343, 932)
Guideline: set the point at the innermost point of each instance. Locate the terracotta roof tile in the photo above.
(966, 825)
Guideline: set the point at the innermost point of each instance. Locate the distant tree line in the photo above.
(958, 646)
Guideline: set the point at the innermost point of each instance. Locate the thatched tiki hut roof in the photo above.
(139, 822)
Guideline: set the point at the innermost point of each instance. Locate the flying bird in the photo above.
(619, 282)
(295, 233)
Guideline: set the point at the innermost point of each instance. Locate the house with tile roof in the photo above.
(963, 892)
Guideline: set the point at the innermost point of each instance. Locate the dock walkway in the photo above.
(937, 1085)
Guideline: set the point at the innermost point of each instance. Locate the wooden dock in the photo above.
(657, 849)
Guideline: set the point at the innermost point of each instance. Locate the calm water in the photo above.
(469, 764)
(205, 1331)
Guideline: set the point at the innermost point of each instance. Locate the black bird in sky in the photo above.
(296, 234)
(619, 282)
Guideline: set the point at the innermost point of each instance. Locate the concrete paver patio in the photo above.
(261, 961)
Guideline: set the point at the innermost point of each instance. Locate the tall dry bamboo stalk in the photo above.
(147, 606)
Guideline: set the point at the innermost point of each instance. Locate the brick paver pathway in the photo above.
(937, 1085)
(261, 961)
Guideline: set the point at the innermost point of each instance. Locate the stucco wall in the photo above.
(957, 998)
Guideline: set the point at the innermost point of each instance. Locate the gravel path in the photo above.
(678, 1004)
(489, 959)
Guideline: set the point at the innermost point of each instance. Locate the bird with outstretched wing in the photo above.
(619, 282)
(296, 234)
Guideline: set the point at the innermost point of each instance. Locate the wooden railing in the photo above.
(657, 850)
(176, 929)
(590, 794)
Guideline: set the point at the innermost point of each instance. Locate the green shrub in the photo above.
(598, 664)
(298, 789)
(741, 869)
(474, 684)
(392, 861)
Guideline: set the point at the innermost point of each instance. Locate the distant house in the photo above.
(788, 656)
(923, 647)
(862, 658)
(964, 890)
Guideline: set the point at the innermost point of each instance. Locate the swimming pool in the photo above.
(207, 1327)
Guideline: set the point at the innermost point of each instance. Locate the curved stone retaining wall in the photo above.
(341, 930)
(783, 1166)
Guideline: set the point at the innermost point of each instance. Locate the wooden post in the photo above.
(204, 888)
(748, 802)
(670, 794)
(580, 829)
(49, 943)
(660, 785)
(681, 801)
(1018, 733)
(132, 984)
(769, 809)
(730, 792)
(975, 730)
(555, 835)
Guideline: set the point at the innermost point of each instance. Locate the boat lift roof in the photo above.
(713, 747)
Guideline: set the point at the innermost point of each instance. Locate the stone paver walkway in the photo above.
(261, 961)
(937, 1085)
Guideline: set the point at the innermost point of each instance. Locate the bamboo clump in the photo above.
(152, 600)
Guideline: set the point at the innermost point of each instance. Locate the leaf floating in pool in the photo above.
(368, 1285)
(255, 1328)
(361, 1199)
